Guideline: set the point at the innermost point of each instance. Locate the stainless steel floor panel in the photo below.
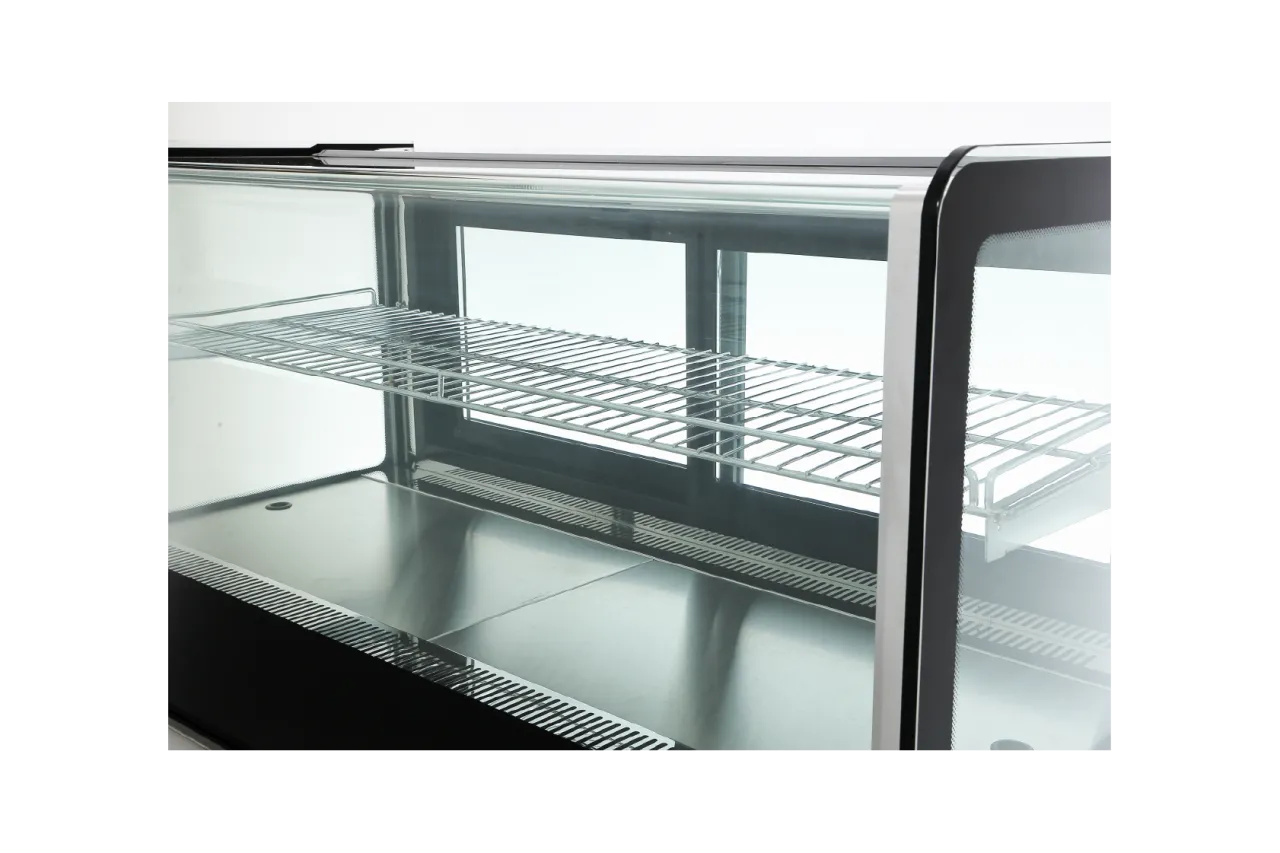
(411, 561)
(703, 660)
(708, 662)
(716, 665)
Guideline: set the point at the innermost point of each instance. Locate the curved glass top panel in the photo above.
(1064, 151)
(804, 192)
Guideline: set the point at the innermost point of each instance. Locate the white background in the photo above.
(653, 128)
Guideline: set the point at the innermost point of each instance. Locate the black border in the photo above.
(919, 438)
(964, 208)
(231, 158)
(250, 156)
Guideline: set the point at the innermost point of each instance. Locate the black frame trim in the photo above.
(919, 441)
(964, 207)
(272, 155)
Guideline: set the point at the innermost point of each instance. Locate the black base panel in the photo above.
(253, 680)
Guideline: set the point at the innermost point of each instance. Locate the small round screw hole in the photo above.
(1010, 744)
(278, 505)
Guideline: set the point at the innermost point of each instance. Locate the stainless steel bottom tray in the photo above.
(708, 662)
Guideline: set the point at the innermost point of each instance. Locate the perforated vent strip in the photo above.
(1028, 632)
(550, 711)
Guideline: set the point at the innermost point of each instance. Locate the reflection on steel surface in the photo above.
(704, 661)
(708, 662)
(417, 563)
(750, 559)
(543, 708)
(1009, 627)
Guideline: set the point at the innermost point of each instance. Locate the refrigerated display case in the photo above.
(494, 452)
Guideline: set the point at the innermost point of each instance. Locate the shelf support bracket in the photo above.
(1085, 496)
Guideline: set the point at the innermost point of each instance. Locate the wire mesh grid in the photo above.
(801, 421)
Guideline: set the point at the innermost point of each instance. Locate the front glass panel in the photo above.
(630, 426)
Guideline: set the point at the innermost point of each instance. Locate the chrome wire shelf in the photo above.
(800, 421)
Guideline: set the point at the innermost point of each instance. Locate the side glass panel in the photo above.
(1050, 330)
(1039, 450)
(1009, 558)
(632, 438)
(238, 428)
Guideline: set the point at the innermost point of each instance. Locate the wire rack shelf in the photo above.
(805, 422)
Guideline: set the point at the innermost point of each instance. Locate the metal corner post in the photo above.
(899, 393)
(388, 239)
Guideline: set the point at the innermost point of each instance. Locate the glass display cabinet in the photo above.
(525, 452)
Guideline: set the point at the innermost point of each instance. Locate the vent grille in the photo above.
(1032, 634)
(550, 711)
(988, 623)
